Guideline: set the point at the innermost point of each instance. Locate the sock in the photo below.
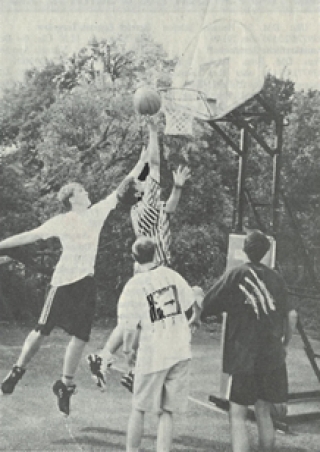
(67, 380)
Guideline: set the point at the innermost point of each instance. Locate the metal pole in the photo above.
(276, 177)
(240, 201)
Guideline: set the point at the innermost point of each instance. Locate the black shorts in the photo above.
(246, 389)
(70, 307)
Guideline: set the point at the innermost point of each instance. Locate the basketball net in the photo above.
(178, 120)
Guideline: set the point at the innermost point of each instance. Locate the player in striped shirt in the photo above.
(150, 218)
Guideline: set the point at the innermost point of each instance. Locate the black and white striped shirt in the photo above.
(150, 219)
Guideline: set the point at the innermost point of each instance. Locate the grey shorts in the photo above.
(166, 390)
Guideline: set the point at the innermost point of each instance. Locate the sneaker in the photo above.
(9, 383)
(63, 394)
(127, 380)
(95, 364)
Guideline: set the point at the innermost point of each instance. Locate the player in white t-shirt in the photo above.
(156, 298)
(71, 298)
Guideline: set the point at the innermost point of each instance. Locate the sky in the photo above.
(288, 31)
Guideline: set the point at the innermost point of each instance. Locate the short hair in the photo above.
(66, 192)
(256, 245)
(143, 250)
(126, 192)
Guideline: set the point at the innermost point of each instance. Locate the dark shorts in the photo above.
(70, 307)
(246, 389)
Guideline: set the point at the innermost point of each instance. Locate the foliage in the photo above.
(74, 120)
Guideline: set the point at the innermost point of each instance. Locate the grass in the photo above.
(30, 420)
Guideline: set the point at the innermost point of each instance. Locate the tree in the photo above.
(67, 125)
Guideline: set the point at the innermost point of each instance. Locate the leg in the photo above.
(30, 347)
(239, 433)
(165, 431)
(273, 386)
(65, 387)
(71, 359)
(265, 426)
(135, 430)
(174, 399)
(99, 363)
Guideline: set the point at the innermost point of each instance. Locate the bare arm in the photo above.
(289, 327)
(149, 154)
(20, 239)
(130, 345)
(195, 319)
(128, 339)
(143, 159)
(154, 150)
(179, 178)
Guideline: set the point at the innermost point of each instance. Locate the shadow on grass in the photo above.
(190, 443)
(289, 449)
(103, 430)
(194, 443)
(92, 441)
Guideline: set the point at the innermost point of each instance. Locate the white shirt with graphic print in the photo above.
(157, 300)
(79, 236)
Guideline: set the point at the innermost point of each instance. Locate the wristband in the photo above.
(178, 186)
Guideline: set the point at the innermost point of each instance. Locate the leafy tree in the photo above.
(68, 121)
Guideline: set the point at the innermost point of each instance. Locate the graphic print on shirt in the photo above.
(164, 303)
(257, 294)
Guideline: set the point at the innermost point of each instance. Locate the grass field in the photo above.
(30, 420)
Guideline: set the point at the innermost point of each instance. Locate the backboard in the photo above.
(220, 69)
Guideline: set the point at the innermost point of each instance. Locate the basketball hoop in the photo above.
(181, 106)
(178, 121)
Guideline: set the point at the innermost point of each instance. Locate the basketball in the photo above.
(146, 101)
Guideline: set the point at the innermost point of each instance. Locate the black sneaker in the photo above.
(9, 383)
(95, 363)
(63, 394)
(127, 380)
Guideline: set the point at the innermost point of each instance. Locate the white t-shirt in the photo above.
(79, 236)
(157, 300)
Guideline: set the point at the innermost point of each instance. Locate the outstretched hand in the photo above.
(181, 175)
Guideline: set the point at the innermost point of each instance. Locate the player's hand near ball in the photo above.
(152, 121)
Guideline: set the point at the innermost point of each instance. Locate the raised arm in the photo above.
(20, 239)
(154, 150)
(149, 154)
(143, 159)
(180, 176)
